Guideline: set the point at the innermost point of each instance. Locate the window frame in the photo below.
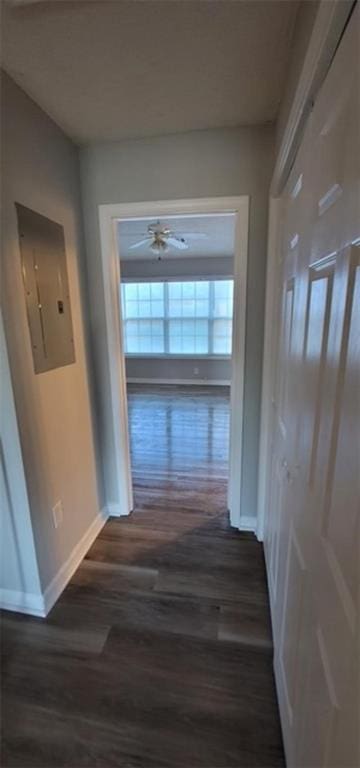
(211, 355)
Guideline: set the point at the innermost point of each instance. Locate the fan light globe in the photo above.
(159, 246)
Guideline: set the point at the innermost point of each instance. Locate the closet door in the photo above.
(329, 710)
(313, 532)
(288, 557)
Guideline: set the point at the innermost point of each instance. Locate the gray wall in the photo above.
(194, 369)
(187, 370)
(40, 170)
(196, 164)
(19, 575)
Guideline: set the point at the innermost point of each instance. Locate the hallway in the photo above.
(159, 652)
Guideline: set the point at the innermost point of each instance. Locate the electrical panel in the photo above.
(46, 286)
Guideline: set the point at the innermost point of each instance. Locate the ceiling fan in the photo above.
(159, 237)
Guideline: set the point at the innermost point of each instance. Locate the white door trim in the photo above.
(111, 266)
(329, 24)
(116, 361)
(271, 333)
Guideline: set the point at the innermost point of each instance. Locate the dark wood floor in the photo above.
(159, 651)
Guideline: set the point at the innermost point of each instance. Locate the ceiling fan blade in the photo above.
(177, 243)
(140, 243)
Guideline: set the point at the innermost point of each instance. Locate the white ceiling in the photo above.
(106, 70)
(219, 230)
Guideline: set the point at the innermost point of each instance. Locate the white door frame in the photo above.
(271, 336)
(108, 215)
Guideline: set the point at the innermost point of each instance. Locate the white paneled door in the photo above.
(312, 539)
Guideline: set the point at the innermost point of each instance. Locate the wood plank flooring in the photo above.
(159, 652)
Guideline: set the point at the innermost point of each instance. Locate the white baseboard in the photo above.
(114, 510)
(22, 602)
(41, 604)
(64, 574)
(248, 524)
(207, 382)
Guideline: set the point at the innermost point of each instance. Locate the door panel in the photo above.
(313, 528)
(285, 361)
(333, 535)
(292, 620)
(320, 721)
(343, 489)
(315, 349)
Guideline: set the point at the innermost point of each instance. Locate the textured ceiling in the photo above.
(107, 70)
(218, 241)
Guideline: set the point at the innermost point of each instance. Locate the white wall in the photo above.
(40, 170)
(19, 575)
(177, 368)
(197, 164)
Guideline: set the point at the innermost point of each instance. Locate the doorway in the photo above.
(111, 218)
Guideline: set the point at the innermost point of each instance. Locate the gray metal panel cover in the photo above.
(43, 257)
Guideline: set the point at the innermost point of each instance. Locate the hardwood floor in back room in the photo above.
(159, 651)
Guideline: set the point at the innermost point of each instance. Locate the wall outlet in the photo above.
(196, 371)
(57, 513)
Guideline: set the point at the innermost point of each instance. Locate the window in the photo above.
(178, 318)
